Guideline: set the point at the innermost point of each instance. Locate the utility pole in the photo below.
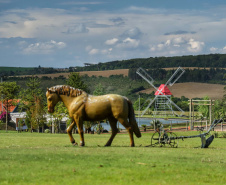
(2, 97)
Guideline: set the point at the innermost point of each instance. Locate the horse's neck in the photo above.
(67, 100)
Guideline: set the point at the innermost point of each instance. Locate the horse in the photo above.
(84, 107)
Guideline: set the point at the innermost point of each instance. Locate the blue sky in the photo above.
(56, 33)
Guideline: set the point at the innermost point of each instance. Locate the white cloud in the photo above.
(195, 46)
(131, 32)
(134, 33)
(94, 51)
(224, 50)
(111, 41)
(177, 45)
(129, 43)
(213, 50)
(80, 28)
(44, 47)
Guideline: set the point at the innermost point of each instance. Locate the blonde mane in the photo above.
(66, 90)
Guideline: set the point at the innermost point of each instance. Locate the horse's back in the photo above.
(101, 107)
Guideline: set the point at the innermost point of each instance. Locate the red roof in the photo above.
(163, 90)
(11, 108)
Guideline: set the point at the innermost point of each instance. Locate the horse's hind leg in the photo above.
(128, 127)
(69, 131)
(113, 124)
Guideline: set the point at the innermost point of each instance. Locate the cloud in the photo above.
(178, 45)
(129, 43)
(93, 51)
(213, 50)
(180, 32)
(80, 28)
(117, 21)
(218, 50)
(134, 33)
(195, 46)
(81, 3)
(44, 47)
(124, 33)
(111, 41)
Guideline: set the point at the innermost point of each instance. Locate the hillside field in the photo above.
(194, 90)
(189, 89)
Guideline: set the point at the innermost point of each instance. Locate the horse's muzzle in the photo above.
(50, 109)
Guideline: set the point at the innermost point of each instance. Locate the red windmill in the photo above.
(162, 98)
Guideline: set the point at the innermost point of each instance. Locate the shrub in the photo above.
(3, 117)
(47, 131)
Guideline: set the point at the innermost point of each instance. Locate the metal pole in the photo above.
(2, 98)
(139, 113)
(210, 111)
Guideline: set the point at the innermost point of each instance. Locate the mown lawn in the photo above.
(32, 158)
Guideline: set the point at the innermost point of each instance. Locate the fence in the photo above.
(197, 125)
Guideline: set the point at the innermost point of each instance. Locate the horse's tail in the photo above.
(132, 119)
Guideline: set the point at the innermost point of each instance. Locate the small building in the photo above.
(16, 116)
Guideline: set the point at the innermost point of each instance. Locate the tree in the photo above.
(32, 103)
(74, 80)
(204, 109)
(99, 90)
(59, 112)
(8, 91)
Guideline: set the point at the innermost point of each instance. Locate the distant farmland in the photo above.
(107, 73)
(194, 90)
(189, 89)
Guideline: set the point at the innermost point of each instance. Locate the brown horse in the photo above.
(85, 107)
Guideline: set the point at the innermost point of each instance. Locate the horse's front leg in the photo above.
(79, 123)
(69, 131)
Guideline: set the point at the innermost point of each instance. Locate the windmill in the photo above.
(161, 98)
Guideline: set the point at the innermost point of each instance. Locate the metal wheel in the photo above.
(163, 139)
(155, 139)
(172, 141)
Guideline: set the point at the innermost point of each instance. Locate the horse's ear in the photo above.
(48, 90)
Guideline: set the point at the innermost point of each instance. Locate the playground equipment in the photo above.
(163, 99)
(162, 137)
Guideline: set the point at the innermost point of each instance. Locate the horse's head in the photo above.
(52, 99)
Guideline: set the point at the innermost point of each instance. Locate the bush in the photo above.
(47, 131)
(3, 117)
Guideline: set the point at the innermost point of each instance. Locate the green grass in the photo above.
(32, 158)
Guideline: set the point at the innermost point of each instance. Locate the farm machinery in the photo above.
(162, 137)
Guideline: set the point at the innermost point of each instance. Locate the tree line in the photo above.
(211, 60)
(212, 75)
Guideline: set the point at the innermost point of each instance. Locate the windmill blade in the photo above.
(149, 99)
(140, 71)
(176, 75)
(145, 110)
(175, 105)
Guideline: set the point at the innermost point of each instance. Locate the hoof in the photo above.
(74, 143)
(82, 144)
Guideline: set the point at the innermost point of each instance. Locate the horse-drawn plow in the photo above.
(163, 138)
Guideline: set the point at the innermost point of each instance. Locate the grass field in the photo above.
(32, 158)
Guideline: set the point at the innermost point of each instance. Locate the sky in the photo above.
(69, 33)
